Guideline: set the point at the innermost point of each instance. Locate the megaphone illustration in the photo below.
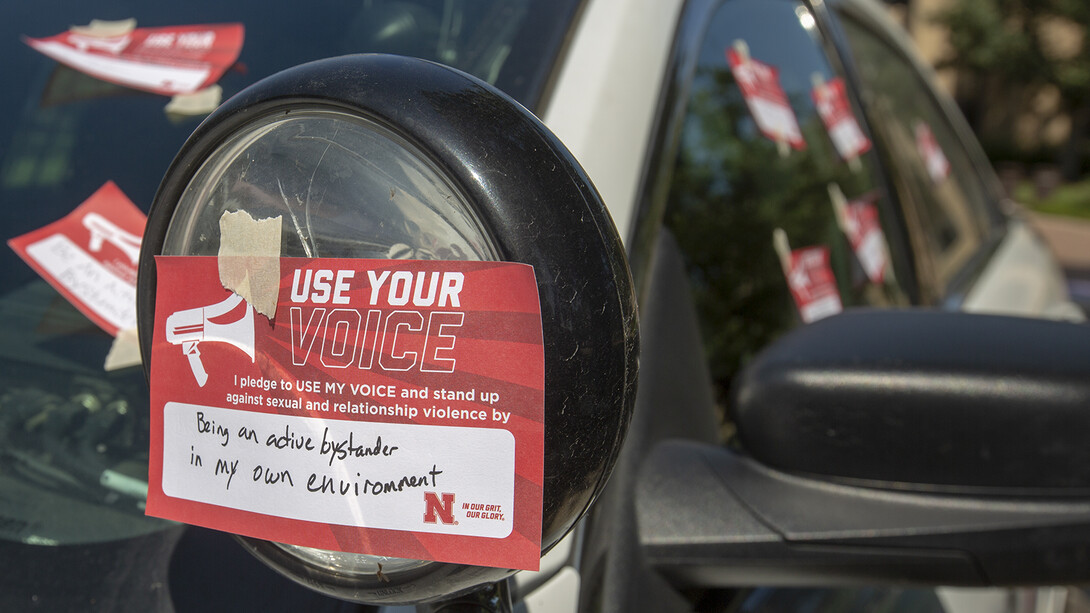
(190, 327)
(104, 230)
(110, 44)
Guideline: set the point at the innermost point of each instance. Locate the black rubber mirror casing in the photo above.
(541, 209)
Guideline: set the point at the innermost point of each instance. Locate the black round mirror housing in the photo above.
(501, 184)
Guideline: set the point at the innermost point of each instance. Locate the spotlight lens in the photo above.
(346, 187)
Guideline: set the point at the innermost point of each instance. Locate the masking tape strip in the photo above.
(101, 28)
(124, 352)
(200, 102)
(249, 259)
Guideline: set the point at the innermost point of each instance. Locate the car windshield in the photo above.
(73, 436)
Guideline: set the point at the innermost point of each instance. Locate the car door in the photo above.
(724, 192)
(721, 193)
(968, 253)
(716, 283)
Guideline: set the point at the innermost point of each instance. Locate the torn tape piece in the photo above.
(199, 102)
(864, 232)
(103, 28)
(167, 61)
(249, 259)
(124, 352)
(90, 257)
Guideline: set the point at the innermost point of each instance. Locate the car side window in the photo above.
(774, 198)
(946, 206)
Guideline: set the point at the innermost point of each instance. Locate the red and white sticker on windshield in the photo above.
(831, 99)
(90, 257)
(390, 407)
(767, 102)
(168, 61)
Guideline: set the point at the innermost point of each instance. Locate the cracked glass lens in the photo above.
(344, 187)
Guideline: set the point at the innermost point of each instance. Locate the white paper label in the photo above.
(349, 473)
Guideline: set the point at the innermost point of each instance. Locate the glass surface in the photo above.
(73, 438)
(946, 210)
(733, 186)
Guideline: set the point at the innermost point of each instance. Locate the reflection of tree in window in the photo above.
(731, 189)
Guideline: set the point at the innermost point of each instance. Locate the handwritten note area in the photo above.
(336, 471)
(87, 279)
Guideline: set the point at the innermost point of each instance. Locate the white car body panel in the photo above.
(560, 594)
(607, 90)
(1022, 278)
(602, 107)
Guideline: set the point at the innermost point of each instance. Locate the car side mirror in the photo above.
(368, 161)
(919, 399)
(921, 446)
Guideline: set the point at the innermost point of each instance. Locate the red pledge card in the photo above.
(168, 61)
(391, 407)
(90, 257)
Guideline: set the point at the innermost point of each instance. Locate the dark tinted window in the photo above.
(733, 187)
(945, 203)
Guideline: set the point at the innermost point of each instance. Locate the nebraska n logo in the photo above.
(436, 510)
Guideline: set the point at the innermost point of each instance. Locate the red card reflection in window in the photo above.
(938, 167)
(831, 99)
(867, 240)
(858, 219)
(765, 98)
(810, 279)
